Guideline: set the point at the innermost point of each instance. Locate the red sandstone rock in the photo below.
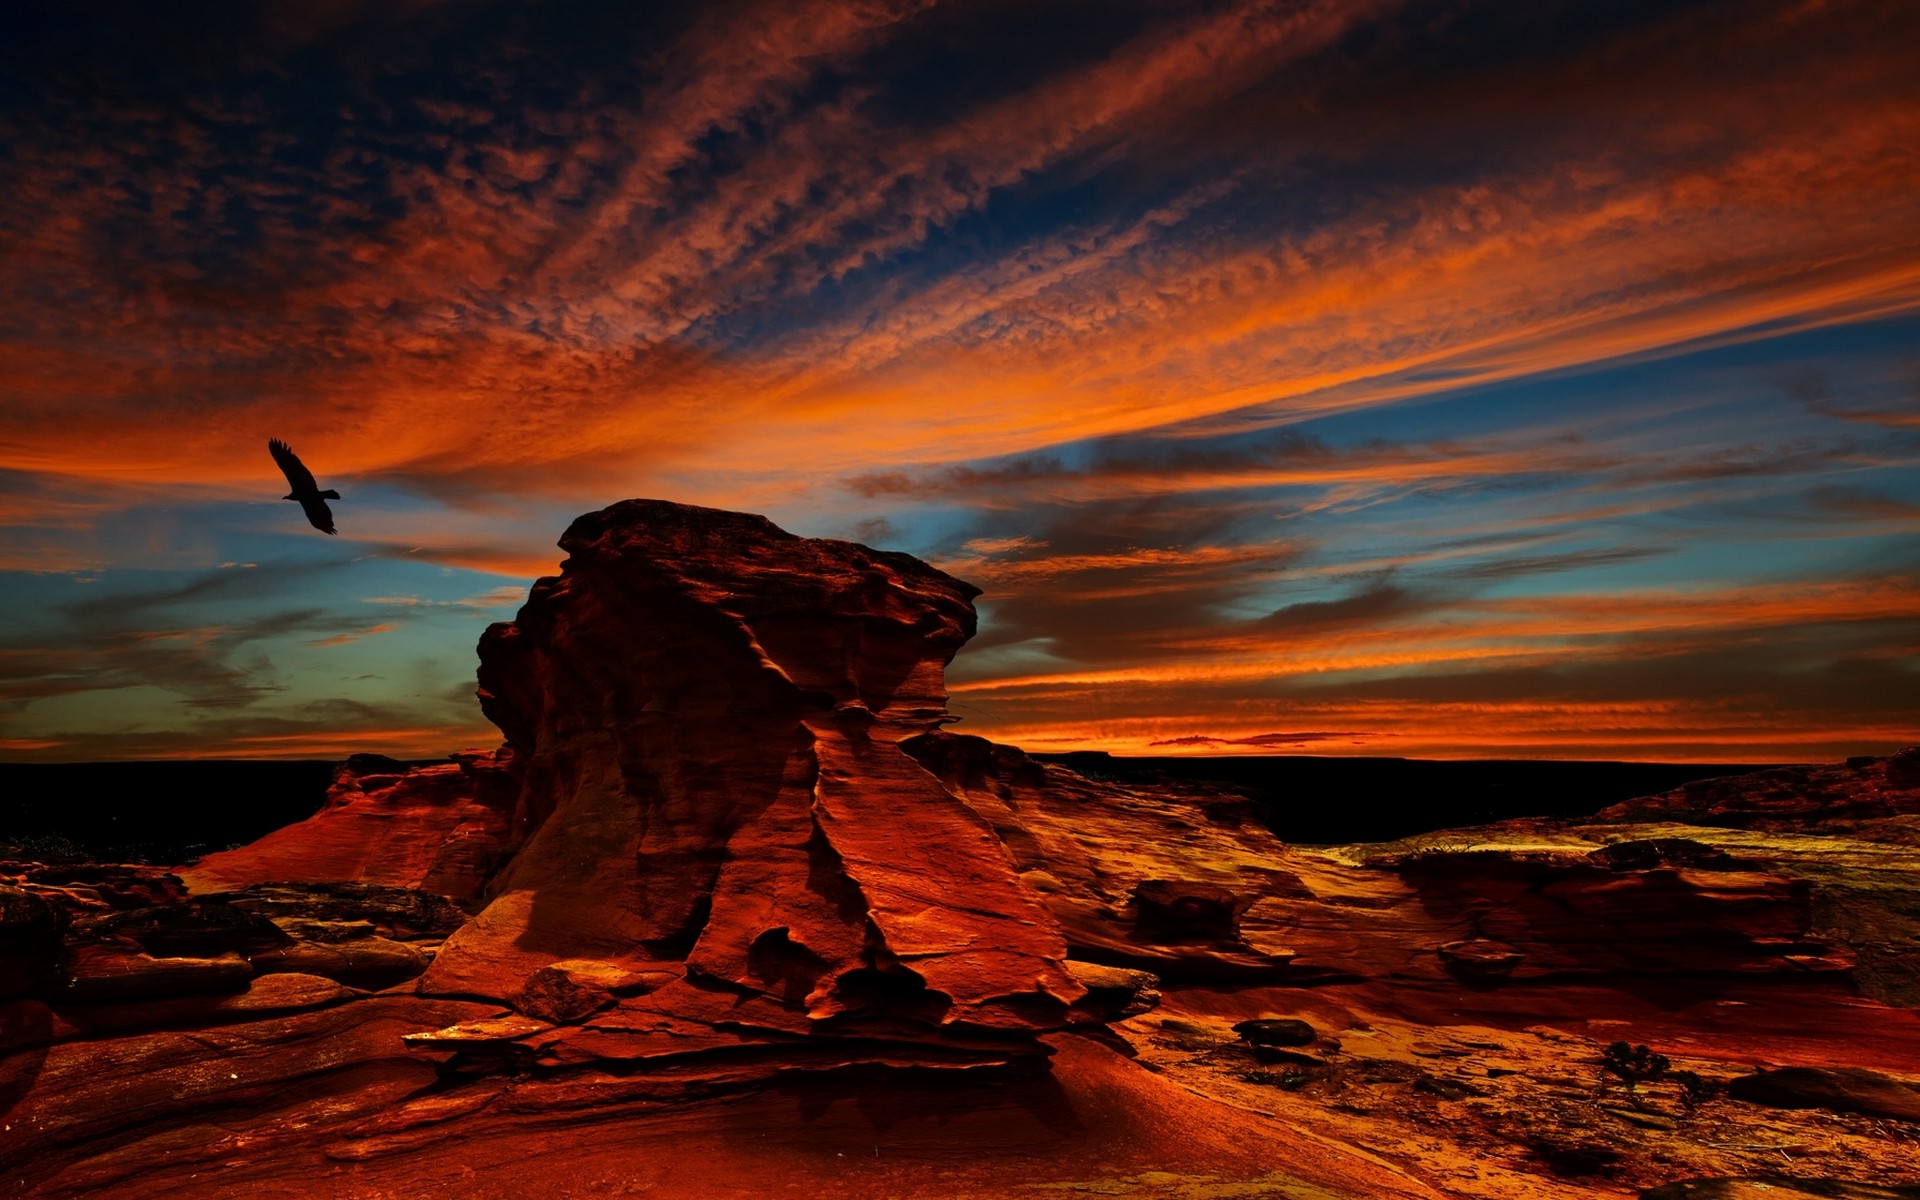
(1829, 797)
(97, 972)
(706, 714)
(574, 988)
(265, 996)
(1096, 849)
(107, 885)
(441, 828)
(394, 912)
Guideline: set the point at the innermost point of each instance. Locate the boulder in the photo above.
(1903, 769)
(1115, 993)
(1174, 910)
(571, 989)
(1480, 960)
(1842, 1089)
(1276, 1031)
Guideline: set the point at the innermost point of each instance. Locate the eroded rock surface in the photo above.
(442, 829)
(730, 914)
(1833, 798)
(706, 715)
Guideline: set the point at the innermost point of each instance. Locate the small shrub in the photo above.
(1696, 1089)
(1634, 1064)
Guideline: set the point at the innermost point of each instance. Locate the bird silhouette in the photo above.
(312, 500)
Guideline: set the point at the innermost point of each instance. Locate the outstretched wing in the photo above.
(298, 477)
(318, 514)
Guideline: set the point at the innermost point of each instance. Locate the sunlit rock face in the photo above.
(1875, 798)
(441, 828)
(706, 714)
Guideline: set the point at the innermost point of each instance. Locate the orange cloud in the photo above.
(1747, 647)
(341, 639)
(526, 321)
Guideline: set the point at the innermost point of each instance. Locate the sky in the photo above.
(1435, 378)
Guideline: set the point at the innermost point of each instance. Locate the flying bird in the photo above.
(312, 500)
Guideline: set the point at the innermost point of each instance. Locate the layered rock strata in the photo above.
(705, 713)
(728, 845)
(442, 828)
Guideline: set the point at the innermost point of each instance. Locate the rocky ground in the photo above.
(728, 914)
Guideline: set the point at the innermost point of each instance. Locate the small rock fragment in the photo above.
(1276, 1031)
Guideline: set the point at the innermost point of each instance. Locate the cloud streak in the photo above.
(1229, 345)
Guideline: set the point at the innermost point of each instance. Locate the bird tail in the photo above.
(329, 494)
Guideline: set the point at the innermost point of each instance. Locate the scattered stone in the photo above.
(1434, 1050)
(1181, 1025)
(1643, 1120)
(1276, 1031)
(307, 929)
(1279, 1054)
(1842, 1089)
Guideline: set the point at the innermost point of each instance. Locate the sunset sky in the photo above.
(1441, 378)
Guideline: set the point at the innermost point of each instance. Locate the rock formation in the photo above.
(706, 715)
(440, 828)
(731, 913)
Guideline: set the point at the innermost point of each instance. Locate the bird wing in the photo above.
(318, 514)
(298, 477)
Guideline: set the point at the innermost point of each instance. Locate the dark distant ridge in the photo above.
(157, 812)
(1321, 799)
(171, 811)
